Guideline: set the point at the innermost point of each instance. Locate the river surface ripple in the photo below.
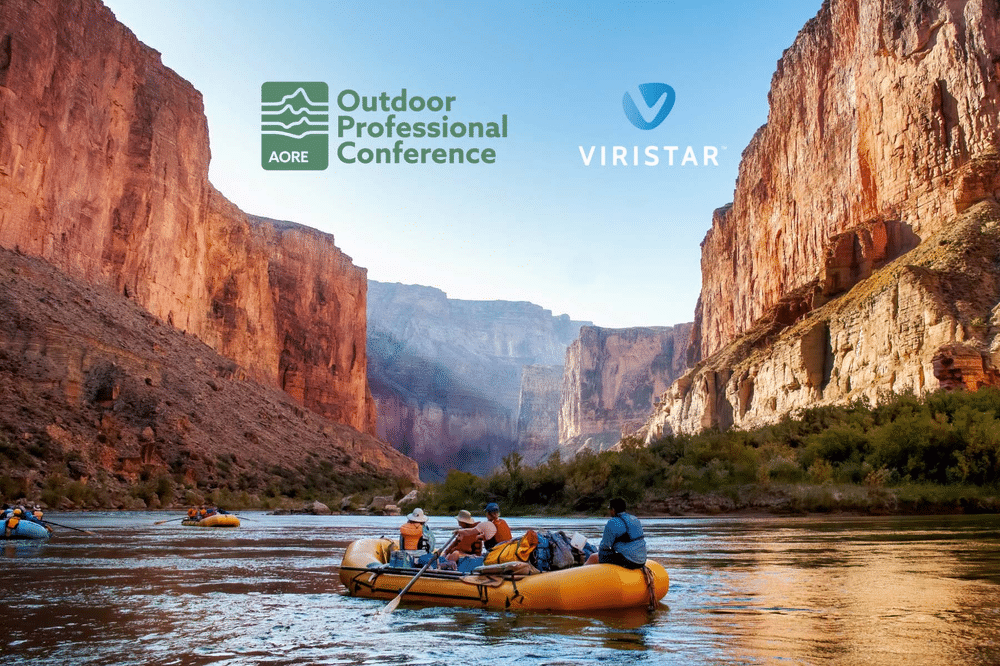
(832, 590)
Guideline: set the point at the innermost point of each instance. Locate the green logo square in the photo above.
(294, 126)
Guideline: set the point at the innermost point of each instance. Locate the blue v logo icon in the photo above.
(651, 94)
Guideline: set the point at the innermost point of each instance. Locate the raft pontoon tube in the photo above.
(24, 529)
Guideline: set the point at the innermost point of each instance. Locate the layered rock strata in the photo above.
(883, 133)
(613, 376)
(883, 112)
(926, 321)
(104, 159)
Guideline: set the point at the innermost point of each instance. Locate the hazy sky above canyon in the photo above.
(617, 245)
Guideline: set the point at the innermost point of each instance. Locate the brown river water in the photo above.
(829, 590)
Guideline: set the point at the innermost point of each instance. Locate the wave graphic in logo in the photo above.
(295, 125)
(651, 94)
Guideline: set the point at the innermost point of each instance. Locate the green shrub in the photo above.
(937, 439)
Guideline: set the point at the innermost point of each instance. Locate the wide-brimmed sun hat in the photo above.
(417, 516)
(465, 518)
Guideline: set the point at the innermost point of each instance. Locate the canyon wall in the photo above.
(446, 373)
(538, 412)
(882, 111)
(104, 159)
(859, 254)
(611, 379)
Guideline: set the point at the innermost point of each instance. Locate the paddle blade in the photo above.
(391, 606)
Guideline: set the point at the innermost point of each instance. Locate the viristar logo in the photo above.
(651, 94)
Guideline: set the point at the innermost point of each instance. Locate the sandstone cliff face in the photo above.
(446, 373)
(538, 412)
(612, 377)
(928, 320)
(852, 260)
(882, 112)
(104, 173)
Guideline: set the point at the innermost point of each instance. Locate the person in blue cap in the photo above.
(503, 529)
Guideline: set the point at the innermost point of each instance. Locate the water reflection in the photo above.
(837, 590)
(855, 591)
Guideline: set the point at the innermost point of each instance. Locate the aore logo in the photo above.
(294, 126)
(651, 94)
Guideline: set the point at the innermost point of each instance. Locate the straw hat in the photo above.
(418, 516)
(465, 518)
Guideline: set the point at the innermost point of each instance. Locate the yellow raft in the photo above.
(585, 588)
(215, 520)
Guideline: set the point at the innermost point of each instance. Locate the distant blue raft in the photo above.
(19, 528)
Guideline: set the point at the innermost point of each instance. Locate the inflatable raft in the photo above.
(585, 588)
(23, 529)
(215, 520)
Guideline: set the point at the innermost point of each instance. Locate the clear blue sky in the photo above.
(615, 245)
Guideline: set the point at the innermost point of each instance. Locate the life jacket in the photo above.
(503, 534)
(411, 536)
(470, 544)
(192, 512)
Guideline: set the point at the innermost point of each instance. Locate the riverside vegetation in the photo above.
(939, 453)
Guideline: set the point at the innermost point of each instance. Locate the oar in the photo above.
(160, 522)
(49, 522)
(391, 606)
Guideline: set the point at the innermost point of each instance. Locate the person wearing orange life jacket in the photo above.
(414, 533)
(471, 536)
(503, 529)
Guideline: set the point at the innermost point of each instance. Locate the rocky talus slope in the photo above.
(95, 390)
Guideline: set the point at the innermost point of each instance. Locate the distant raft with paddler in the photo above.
(214, 520)
(23, 528)
(365, 573)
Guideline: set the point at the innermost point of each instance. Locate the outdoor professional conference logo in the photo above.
(376, 128)
(294, 126)
(651, 94)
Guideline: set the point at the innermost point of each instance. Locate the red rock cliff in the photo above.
(859, 256)
(613, 376)
(104, 159)
(882, 112)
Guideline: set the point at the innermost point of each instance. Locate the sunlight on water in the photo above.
(749, 591)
